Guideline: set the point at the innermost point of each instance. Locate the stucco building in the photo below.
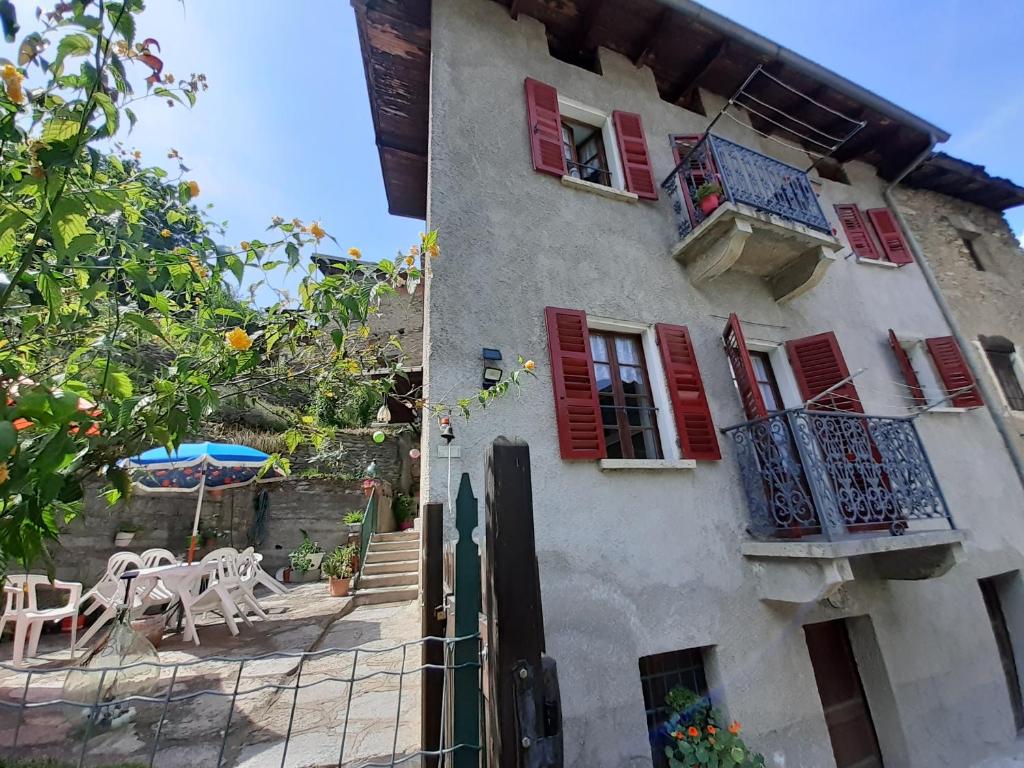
(761, 463)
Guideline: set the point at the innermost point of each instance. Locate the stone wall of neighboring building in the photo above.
(987, 301)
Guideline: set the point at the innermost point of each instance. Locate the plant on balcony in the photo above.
(709, 197)
(694, 737)
(403, 511)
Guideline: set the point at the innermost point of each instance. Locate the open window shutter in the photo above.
(818, 364)
(890, 236)
(545, 125)
(580, 432)
(906, 369)
(857, 231)
(696, 430)
(636, 162)
(743, 369)
(953, 370)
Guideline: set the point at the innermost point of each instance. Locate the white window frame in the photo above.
(581, 113)
(921, 362)
(1018, 370)
(658, 382)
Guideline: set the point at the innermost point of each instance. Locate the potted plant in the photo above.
(709, 197)
(209, 536)
(695, 735)
(354, 520)
(337, 566)
(402, 508)
(306, 558)
(125, 533)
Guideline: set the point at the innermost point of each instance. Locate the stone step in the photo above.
(396, 536)
(395, 566)
(386, 595)
(373, 556)
(391, 546)
(403, 579)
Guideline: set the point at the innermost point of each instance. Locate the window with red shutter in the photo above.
(580, 432)
(818, 364)
(743, 369)
(697, 436)
(909, 375)
(636, 162)
(953, 370)
(890, 236)
(857, 232)
(545, 125)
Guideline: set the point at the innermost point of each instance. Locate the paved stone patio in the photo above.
(306, 619)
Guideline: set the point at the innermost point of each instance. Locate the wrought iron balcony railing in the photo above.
(809, 473)
(745, 176)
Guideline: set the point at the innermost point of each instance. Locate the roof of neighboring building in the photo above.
(394, 36)
(965, 181)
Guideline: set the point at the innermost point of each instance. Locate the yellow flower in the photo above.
(409, 261)
(355, 253)
(137, 154)
(12, 82)
(238, 339)
(244, 245)
(529, 365)
(296, 222)
(193, 188)
(316, 230)
(4, 473)
(165, 233)
(433, 250)
(197, 265)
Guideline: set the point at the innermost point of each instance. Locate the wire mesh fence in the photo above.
(337, 706)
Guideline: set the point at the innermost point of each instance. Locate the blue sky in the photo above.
(285, 128)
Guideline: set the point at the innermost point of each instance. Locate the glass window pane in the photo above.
(627, 350)
(598, 347)
(603, 373)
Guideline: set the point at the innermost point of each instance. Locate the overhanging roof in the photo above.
(394, 36)
(965, 181)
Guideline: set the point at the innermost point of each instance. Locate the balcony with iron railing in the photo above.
(833, 496)
(764, 220)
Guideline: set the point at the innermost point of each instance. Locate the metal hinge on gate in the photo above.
(540, 743)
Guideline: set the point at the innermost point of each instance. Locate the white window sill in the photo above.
(599, 189)
(646, 464)
(949, 409)
(877, 263)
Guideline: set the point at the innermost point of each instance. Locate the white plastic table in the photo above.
(175, 578)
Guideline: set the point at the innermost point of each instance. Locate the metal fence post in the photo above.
(466, 676)
(816, 474)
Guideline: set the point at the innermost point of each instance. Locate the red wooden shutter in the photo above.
(580, 432)
(818, 364)
(629, 133)
(545, 125)
(906, 369)
(953, 370)
(857, 231)
(696, 430)
(743, 369)
(890, 236)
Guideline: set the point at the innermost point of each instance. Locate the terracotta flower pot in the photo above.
(338, 587)
(405, 525)
(709, 204)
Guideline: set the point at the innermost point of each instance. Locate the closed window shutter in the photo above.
(696, 430)
(545, 125)
(906, 369)
(818, 364)
(636, 162)
(857, 232)
(890, 236)
(954, 372)
(580, 432)
(743, 369)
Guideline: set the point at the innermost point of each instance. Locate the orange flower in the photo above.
(355, 253)
(238, 339)
(165, 233)
(678, 736)
(316, 230)
(433, 250)
(712, 730)
(409, 261)
(693, 732)
(12, 82)
(529, 365)
(4, 473)
(244, 245)
(193, 188)
(734, 728)
(20, 424)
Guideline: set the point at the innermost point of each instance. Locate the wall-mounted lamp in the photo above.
(492, 373)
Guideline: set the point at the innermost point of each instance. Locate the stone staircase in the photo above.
(391, 571)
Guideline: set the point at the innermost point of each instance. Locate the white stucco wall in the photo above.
(635, 563)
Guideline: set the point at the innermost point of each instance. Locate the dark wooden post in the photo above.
(522, 724)
(432, 597)
(466, 655)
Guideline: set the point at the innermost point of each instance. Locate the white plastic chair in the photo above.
(221, 594)
(109, 593)
(21, 608)
(264, 578)
(151, 558)
(250, 569)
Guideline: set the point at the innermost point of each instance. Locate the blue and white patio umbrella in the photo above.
(194, 467)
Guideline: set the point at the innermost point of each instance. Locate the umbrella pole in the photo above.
(199, 508)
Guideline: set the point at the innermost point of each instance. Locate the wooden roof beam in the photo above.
(691, 80)
(580, 40)
(650, 38)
